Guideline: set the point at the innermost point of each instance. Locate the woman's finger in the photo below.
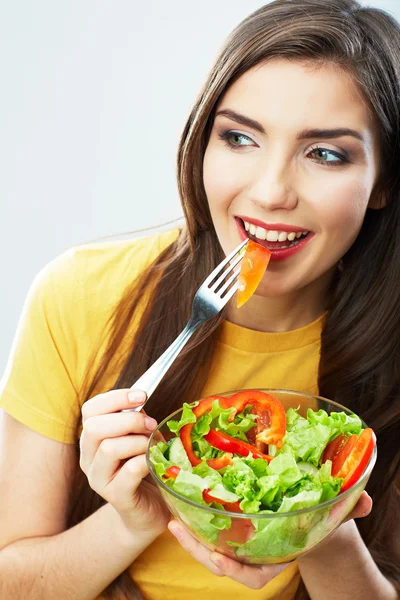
(109, 455)
(112, 401)
(193, 547)
(252, 576)
(96, 429)
(127, 481)
(362, 508)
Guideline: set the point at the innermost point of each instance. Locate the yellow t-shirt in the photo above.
(64, 321)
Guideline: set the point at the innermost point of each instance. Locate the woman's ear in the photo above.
(378, 198)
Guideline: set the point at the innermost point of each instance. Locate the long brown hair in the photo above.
(360, 358)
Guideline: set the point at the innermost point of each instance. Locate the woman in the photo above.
(295, 131)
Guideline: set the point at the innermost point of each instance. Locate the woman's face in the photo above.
(291, 162)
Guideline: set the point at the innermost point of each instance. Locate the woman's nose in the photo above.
(274, 188)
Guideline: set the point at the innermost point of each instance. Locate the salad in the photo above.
(246, 454)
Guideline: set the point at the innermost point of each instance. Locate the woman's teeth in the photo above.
(271, 235)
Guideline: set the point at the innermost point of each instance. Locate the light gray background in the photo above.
(94, 94)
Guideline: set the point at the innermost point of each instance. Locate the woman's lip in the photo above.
(278, 254)
(272, 226)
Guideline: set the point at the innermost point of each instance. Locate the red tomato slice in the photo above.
(334, 447)
(254, 263)
(172, 472)
(354, 456)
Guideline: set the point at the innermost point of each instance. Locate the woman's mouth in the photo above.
(281, 242)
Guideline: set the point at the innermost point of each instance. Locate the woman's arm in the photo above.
(77, 564)
(39, 559)
(343, 569)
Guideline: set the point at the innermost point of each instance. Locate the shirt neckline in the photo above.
(250, 340)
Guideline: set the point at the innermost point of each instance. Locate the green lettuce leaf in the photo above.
(338, 422)
(309, 437)
(308, 441)
(240, 479)
(285, 467)
(238, 428)
(204, 523)
(283, 536)
(212, 476)
(187, 417)
(258, 465)
(158, 459)
(218, 418)
(204, 450)
(177, 455)
(191, 486)
(330, 485)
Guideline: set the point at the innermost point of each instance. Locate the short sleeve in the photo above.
(38, 387)
(64, 330)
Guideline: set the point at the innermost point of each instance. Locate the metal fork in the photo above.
(211, 297)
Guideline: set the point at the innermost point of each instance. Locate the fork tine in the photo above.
(227, 283)
(225, 274)
(222, 264)
(229, 295)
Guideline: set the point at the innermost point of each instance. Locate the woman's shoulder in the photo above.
(82, 285)
(127, 256)
(104, 264)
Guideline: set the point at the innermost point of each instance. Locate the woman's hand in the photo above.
(113, 447)
(361, 509)
(254, 577)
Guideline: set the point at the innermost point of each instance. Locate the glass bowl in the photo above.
(263, 538)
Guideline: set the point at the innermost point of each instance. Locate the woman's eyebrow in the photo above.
(303, 135)
(330, 133)
(234, 116)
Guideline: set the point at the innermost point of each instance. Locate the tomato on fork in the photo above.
(252, 269)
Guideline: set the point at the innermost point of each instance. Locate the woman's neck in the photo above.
(282, 313)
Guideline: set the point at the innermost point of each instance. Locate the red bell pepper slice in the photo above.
(186, 434)
(232, 506)
(271, 415)
(223, 441)
(271, 427)
(220, 462)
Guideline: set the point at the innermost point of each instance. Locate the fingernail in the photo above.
(150, 423)
(176, 532)
(217, 562)
(136, 397)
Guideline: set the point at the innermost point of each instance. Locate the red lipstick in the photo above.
(276, 252)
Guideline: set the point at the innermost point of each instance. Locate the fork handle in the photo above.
(152, 377)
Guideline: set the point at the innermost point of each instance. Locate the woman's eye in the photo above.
(235, 139)
(328, 157)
